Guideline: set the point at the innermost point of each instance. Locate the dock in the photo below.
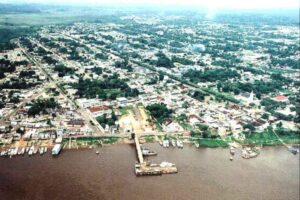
(143, 168)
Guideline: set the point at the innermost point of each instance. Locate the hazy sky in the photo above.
(218, 4)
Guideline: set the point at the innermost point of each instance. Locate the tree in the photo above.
(159, 111)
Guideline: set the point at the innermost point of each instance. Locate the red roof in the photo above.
(281, 98)
(98, 108)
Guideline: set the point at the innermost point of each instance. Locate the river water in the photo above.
(204, 173)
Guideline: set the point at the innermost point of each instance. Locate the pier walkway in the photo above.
(138, 149)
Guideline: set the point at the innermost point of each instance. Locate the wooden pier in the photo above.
(139, 149)
(143, 168)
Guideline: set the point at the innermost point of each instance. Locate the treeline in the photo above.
(8, 33)
(17, 84)
(210, 75)
(258, 86)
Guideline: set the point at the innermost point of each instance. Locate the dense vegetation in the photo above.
(110, 87)
(159, 111)
(17, 84)
(210, 75)
(42, 106)
(63, 70)
(104, 120)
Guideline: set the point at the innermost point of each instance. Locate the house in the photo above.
(172, 126)
(194, 119)
(281, 98)
(75, 123)
(100, 110)
(122, 101)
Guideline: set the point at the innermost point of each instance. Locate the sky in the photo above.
(215, 4)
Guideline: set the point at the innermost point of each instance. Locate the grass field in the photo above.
(269, 138)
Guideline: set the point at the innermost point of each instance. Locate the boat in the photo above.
(197, 145)
(232, 150)
(179, 144)
(231, 158)
(173, 142)
(4, 153)
(14, 151)
(27, 149)
(56, 149)
(166, 164)
(166, 143)
(148, 152)
(45, 149)
(97, 152)
(35, 150)
(30, 151)
(23, 151)
(249, 153)
(293, 150)
(20, 151)
(41, 150)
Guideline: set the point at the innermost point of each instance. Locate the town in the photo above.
(166, 79)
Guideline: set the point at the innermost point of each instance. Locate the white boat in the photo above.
(166, 164)
(41, 150)
(3, 153)
(56, 149)
(173, 142)
(166, 143)
(35, 150)
(197, 145)
(20, 151)
(30, 151)
(179, 144)
(232, 150)
(45, 149)
(14, 151)
(27, 149)
(23, 151)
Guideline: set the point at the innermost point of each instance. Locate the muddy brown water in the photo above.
(204, 173)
